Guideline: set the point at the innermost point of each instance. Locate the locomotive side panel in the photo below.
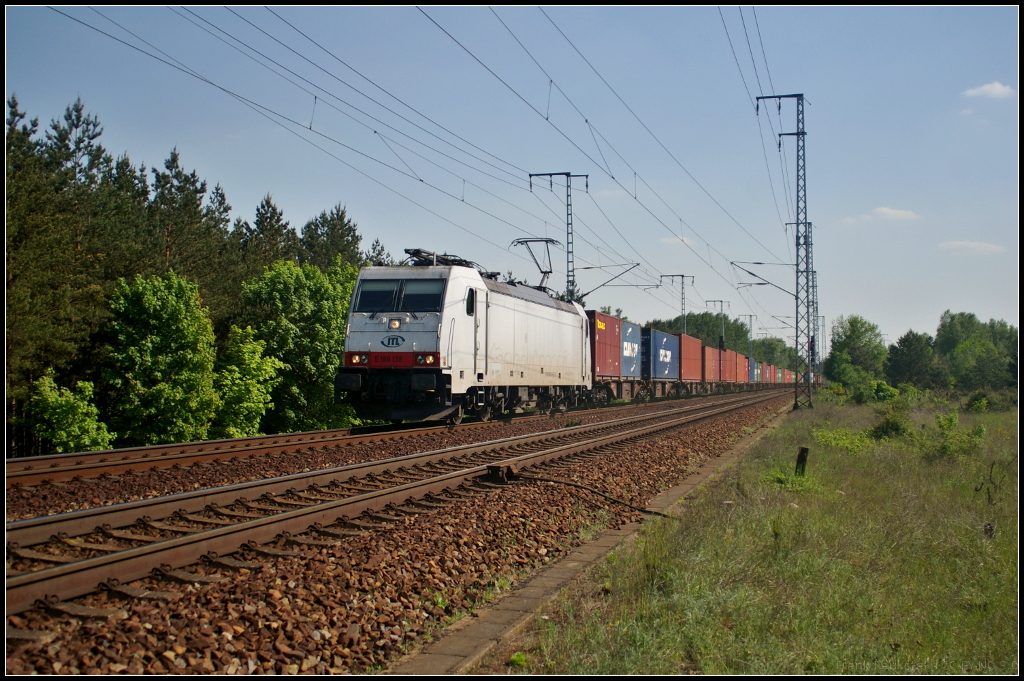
(532, 344)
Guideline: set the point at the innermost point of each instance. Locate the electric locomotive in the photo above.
(443, 337)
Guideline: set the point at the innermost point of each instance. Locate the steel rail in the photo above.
(30, 471)
(81, 577)
(28, 532)
(57, 467)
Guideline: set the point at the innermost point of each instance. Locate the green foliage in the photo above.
(991, 400)
(267, 240)
(842, 438)
(978, 355)
(952, 441)
(858, 343)
(839, 368)
(244, 380)
(901, 567)
(895, 422)
(792, 483)
(67, 418)
(377, 256)
(161, 362)
(517, 659)
(328, 236)
(913, 361)
(300, 313)
(875, 391)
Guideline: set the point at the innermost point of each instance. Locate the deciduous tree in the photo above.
(161, 362)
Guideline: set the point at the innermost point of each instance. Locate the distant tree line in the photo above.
(965, 355)
(139, 313)
(707, 326)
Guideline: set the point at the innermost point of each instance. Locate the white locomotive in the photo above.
(443, 338)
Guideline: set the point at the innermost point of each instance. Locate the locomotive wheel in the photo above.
(454, 418)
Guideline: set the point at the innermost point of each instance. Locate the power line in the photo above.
(578, 148)
(268, 113)
(671, 155)
(411, 108)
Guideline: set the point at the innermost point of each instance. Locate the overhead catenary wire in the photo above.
(574, 144)
(593, 130)
(387, 140)
(655, 137)
(270, 114)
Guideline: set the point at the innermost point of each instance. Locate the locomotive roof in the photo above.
(531, 294)
(520, 291)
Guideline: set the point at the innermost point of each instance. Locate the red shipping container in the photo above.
(711, 371)
(741, 368)
(728, 366)
(605, 344)
(764, 373)
(692, 362)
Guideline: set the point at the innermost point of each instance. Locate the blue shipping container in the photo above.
(630, 350)
(751, 371)
(660, 355)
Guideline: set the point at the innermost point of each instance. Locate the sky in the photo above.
(426, 124)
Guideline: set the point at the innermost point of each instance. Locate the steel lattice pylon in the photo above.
(806, 280)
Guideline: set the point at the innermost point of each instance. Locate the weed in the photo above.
(517, 659)
(842, 438)
(502, 584)
(792, 483)
(912, 568)
(895, 422)
(953, 442)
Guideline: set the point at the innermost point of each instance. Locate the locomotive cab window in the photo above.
(377, 295)
(422, 295)
(400, 295)
(471, 302)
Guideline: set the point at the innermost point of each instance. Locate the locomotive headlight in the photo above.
(353, 359)
(430, 359)
(419, 359)
(395, 323)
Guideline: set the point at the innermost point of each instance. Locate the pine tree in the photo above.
(329, 235)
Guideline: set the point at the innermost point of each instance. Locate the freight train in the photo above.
(444, 338)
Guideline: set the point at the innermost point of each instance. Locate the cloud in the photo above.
(676, 240)
(894, 214)
(883, 213)
(995, 90)
(973, 247)
(966, 112)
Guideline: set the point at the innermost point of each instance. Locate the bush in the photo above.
(952, 442)
(895, 421)
(991, 400)
(875, 391)
(842, 438)
(66, 418)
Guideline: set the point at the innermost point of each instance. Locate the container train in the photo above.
(444, 338)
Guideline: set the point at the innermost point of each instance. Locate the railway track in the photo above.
(32, 471)
(55, 558)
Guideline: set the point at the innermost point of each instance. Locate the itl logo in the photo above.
(392, 341)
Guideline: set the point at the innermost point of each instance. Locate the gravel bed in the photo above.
(32, 502)
(356, 606)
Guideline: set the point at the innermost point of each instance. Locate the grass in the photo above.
(893, 555)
